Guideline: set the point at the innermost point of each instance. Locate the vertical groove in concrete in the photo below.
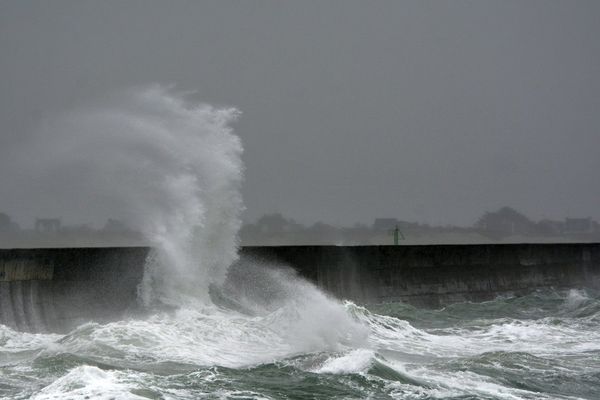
(7, 316)
(36, 316)
(28, 311)
(16, 299)
(47, 305)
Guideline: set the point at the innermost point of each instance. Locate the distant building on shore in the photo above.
(47, 225)
(575, 226)
(385, 224)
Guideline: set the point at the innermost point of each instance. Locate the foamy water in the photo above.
(345, 351)
(213, 328)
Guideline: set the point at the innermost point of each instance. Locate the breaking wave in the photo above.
(219, 327)
(347, 351)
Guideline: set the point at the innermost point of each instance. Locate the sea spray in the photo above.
(170, 168)
(173, 170)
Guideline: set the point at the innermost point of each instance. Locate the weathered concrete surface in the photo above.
(439, 274)
(56, 289)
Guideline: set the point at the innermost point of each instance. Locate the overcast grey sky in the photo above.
(422, 110)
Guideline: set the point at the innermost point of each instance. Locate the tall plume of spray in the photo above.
(173, 170)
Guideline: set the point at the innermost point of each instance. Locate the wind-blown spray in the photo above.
(172, 169)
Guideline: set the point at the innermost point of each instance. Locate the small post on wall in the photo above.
(397, 235)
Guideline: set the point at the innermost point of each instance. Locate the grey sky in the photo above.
(422, 110)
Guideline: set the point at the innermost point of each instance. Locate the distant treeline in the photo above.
(491, 226)
(50, 232)
(504, 224)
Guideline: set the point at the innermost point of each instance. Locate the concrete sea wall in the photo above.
(56, 289)
(434, 275)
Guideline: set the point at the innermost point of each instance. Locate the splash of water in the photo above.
(176, 355)
(172, 169)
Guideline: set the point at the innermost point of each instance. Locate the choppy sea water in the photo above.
(545, 345)
(206, 329)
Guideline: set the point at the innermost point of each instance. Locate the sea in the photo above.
(203, 329)
(545, 345)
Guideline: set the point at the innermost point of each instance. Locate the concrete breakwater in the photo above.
(56, 289)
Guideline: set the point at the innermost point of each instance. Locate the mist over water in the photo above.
(237, 329)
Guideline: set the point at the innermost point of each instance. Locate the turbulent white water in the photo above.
(311, 345)
(250, 331)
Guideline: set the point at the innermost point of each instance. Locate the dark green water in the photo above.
(542, 346)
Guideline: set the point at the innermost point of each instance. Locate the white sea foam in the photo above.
(12, 341)
(305, 321)
(419, 355)
(214, 335)
(576, 298)
(88, 382)
(355, 361)
(438, 384)
(509, 335)
(174, 170)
